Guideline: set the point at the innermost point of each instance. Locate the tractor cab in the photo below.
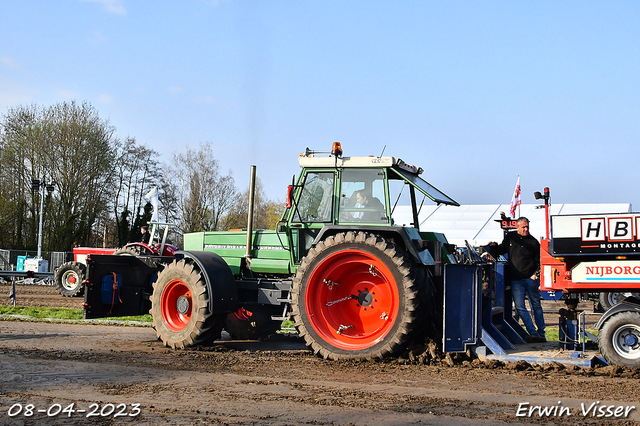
(334, 192)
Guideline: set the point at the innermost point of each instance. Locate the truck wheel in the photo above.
(609, 299)
(69, 278)
(355, 296)
(619, 339)
(253, 324)
(179, 307)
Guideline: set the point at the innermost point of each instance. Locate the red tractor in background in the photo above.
(69, 277)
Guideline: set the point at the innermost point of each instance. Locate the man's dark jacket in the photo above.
(374, 215)
(145, 238)
(523, 258)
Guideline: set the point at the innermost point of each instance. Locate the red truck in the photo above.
(591, 253)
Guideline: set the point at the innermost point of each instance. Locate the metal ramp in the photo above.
(478, 316)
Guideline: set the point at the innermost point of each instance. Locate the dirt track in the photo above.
(276, 382)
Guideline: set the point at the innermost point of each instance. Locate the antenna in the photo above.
(385, 147)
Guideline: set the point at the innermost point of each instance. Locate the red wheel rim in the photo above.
(69, 280)
(352, 299)
(176, 305)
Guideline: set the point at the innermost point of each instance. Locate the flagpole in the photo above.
(515, 200)
(519, 196)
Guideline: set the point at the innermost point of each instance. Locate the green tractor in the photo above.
(356, 284)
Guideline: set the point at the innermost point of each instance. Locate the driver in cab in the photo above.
(374, 208)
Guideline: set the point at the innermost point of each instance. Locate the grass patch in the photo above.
(43, 312)
(40, 312)
(553, 333)
(140, 318)
(288, 324)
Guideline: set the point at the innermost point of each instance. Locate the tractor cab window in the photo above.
(362, 196)
(400, 200)
(316, 198)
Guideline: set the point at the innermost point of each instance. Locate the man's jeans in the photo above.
(530, 288)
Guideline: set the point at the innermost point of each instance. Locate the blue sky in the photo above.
(475, 92)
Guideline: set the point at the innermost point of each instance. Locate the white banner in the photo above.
(152, 196)
(622, 271)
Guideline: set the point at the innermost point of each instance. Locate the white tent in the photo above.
(477, 223)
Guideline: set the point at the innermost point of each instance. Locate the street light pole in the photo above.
(41, 185)
(39, 255)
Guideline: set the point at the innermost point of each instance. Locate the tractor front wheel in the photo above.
(609, 299)
(69, 279)
(355, 296)
(179, 307)
(619, 339)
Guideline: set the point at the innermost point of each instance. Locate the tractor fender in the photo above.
(631, 303)
(218, 279)
(398, 233)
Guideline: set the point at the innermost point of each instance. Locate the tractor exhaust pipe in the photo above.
(252, 193)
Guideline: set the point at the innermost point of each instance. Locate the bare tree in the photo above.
(266, 212)
(199, 190)
(136, 173)
(17, 211)
(80, 156)
(67, 143)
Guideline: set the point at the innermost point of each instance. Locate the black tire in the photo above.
(69, 279)
(216, 322)
(142, 252)
(429, 313)
(349, 330)
(608, 299)
(619, 339)
(133, 251)
(258, 325)
(180, 307)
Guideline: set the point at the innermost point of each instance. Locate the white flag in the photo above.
(515, 200)
(152, 196)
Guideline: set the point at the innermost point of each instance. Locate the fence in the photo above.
(9, 258)
(4, 260)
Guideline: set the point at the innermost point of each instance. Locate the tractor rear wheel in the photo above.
(134, 250)
(355, 295)
(180, 307)
(69, 279)
(619, 339)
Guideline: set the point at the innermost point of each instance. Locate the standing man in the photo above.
(523, 265)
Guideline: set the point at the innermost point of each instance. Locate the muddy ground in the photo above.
(123, 375)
